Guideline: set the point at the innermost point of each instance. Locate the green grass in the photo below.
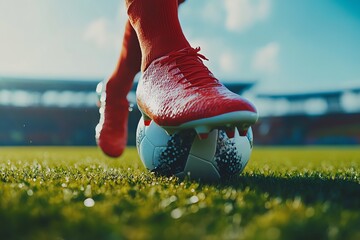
(284, 193)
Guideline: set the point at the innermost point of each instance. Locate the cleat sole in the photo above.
(242, 120)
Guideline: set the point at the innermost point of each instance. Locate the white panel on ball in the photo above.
(205, 148)
(146, 153)
(197, 168)
(156, 134)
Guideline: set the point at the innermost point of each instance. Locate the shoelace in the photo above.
(191, 66)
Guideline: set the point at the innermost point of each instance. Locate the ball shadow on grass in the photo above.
(311, 189)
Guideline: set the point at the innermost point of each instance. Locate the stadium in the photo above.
(62, 189)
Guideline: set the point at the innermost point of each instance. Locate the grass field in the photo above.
(77, 193)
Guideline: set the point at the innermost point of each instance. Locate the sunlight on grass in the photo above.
(284, 193)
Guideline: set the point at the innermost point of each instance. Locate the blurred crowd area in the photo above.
(64, 112)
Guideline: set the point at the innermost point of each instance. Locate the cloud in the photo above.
(97, 32)
(229, 63)
(211, 13)
(101, 33)
(266, 58)
(242, 14)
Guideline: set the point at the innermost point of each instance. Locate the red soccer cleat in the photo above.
(111, 131)
(179, 92)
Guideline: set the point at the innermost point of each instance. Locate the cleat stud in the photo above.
(203, 136)
(230, 133)
(243, 132)
(147, 122)
(202, 132)
(146, 119)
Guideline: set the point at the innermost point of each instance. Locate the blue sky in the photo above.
(283, 45)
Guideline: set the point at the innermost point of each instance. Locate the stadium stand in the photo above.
(64, 112)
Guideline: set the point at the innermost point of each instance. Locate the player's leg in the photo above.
(157, 26)
(176, 90)
(111, 132)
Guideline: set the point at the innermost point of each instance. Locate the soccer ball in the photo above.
(185, 155)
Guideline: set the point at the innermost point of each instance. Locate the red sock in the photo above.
(157, 26)
(127, 67)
